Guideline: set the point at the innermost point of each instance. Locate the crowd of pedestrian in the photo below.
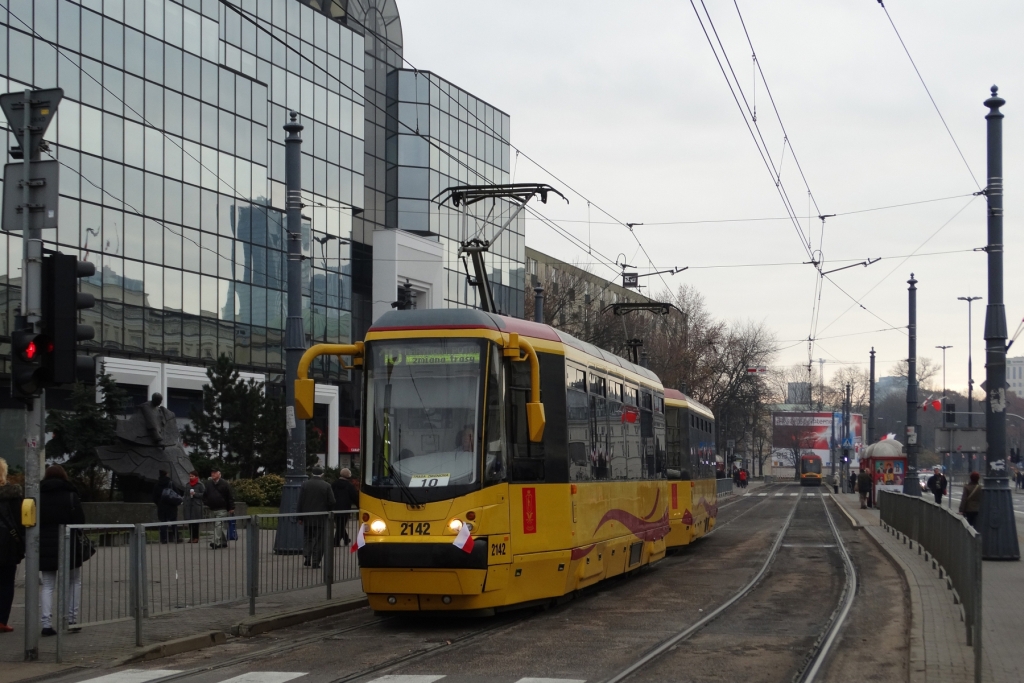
(740, 477)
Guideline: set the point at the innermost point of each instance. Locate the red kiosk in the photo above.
(887, 464)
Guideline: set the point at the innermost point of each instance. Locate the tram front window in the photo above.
(812, 466)
(423, 413)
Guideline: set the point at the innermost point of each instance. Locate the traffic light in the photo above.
(950, 413)
(28, 350)
(61, 273)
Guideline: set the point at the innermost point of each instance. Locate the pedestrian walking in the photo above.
(12, 543)
(60, 504)
(219, 499)
(743, 478)
(864, 488)
(835, 482)
(970, 500)
(853, 482)
(314, 496)
(167, 498)
(192, 508)
(937, 484)
(346, 497)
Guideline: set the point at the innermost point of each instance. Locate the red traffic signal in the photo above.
(29, 352)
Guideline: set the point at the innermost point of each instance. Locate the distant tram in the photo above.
(809, 471)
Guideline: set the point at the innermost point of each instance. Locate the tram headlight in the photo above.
(378, 526)
(455, 524)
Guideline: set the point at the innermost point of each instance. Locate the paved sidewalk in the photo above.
(938, 639)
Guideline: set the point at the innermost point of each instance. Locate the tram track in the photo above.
(441, 642)
(812, 662)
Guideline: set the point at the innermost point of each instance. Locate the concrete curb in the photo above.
(271, 622)
(842, 508)
(173, 647)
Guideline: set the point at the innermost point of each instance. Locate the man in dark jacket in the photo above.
(864, 487)
(221, 503)
(12, 543)
(937, 484)
(346, 497)
(314, 496)
(167, 499)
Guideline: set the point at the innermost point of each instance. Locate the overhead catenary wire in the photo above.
(928, 92)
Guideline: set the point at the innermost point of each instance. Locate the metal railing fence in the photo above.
(953, 544)
(724, 486)
(136, 571)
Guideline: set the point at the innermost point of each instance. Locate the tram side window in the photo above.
(648, 447)
(673, 442)
(615, 442)
(578, 419)
(495, 455)
(527, 457)
(633, 443)
(599, 437)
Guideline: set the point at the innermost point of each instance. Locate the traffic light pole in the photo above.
(32, 310)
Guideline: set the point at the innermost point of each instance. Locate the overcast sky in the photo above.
(625, 103)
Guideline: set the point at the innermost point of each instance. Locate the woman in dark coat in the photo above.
(60, 504)
(167, 506)
(12, 543)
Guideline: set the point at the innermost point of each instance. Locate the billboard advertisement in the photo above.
(813, 433)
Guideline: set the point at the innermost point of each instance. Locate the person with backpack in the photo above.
(970, 499)
(167, 499)
(12, 543)
(221, 503)
(60, 504)
(346, 497)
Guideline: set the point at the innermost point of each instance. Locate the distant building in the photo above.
(1015, 375)
(889, 385)
(799, 393)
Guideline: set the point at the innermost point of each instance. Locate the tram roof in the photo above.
(697, 406)
(471, 318)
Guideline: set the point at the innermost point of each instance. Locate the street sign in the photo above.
(911, 434)
(848, 442)
(42, 107)
(758, 369)
(631, 280)
(44, 187)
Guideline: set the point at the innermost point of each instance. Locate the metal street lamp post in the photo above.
(970, 372)
(949, 450)
(911, 487)
(999, 529)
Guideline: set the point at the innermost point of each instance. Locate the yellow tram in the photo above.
(566, 464)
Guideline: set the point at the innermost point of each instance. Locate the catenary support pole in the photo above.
(871, 401)
(289, 534)
(998, 527)
(911, 486)
(538, 304)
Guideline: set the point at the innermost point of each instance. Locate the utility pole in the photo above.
(999, 538)
(821, 383)
(949, 450)
(911, 486)
(538, 304)
(871, 401)
(970, 371)
(847, 437)
(289, 535)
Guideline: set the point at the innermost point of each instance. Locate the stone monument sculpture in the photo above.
(147, 443)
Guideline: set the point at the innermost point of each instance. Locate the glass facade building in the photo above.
(171, 147)
(441, 136)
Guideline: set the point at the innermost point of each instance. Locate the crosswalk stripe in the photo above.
(401, 678)
(794, 494)
(551, 680)
(811, 495)
(265, 677)
(779, 495)
(744, 495)
(133, 676)
(761, 495)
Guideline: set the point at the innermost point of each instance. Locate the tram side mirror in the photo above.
(535, 420)
(305, 390)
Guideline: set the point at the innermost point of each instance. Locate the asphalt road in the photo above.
(764, 637)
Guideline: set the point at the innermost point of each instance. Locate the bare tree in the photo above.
(926, 371)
